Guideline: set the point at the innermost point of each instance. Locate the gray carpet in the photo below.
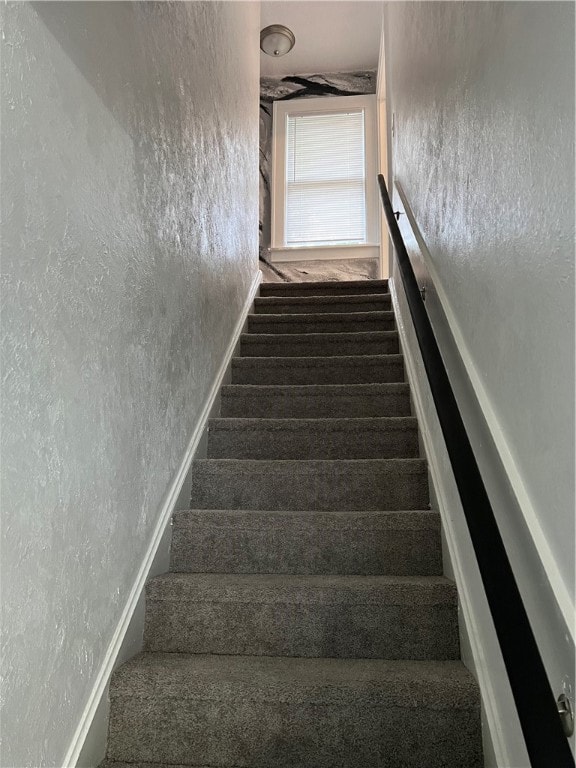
(305, 621)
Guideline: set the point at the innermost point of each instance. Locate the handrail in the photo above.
(546, 743)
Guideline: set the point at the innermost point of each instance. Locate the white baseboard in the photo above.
(503, 743)
(332, 253)
(546, 599)
(87, 747)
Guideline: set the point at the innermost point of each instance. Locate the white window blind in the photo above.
(325, 179)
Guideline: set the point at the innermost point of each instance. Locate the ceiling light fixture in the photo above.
(276, 40)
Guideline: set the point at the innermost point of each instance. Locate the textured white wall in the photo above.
(129, 243)
(483, 102)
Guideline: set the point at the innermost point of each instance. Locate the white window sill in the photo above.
(325, 253)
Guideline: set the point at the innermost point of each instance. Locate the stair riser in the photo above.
(307, 630)
(264, 544)
(309, 306)
(333, 288)
(347, 324)
(253, 442)
(314, 406)
(382, 369)
(222, 484)
(329, 345)
(232, 732)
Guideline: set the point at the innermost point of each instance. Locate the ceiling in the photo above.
(331, 36)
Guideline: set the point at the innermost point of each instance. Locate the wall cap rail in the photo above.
(541, 725)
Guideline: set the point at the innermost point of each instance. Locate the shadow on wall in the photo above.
(296, 87)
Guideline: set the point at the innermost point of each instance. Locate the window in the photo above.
(324, 178)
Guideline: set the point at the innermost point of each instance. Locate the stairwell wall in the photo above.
(482, 102)
(129, 247)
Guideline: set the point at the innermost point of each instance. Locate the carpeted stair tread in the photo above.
(368, 484)
(288, 305)
(140, 764)
(308, 542)
(327, 322)
(288, 712)
(315, 401)
(323, 288)
(367, 369)
(381, 682)
(316, 344)
(313, 438)
(302, 589)
(310, 616)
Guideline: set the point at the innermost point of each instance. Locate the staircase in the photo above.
(305, 621)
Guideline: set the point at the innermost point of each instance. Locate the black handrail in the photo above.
(546, 743)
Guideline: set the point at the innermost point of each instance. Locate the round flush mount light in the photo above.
(276, 40)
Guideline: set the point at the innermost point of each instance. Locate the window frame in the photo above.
(323, 105)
